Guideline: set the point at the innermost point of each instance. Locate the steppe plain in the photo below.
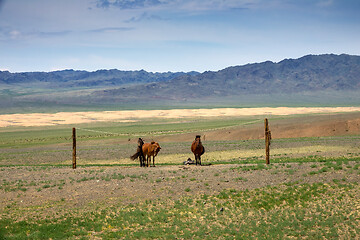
(310, 190)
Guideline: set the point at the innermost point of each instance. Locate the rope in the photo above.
(240, 124)
(159, 133)
(96, 131)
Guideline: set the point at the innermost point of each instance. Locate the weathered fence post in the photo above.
(74, 148)
(267, 141)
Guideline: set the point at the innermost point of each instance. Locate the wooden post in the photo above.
(74, 148)
(267, 140)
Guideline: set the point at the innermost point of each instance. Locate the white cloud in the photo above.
(325, 3)
(188, 5)
(129, 4)
(14, 34)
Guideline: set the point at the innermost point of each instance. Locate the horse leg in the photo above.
(142, 161)
(200, 160)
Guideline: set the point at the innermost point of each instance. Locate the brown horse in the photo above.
(139, 153)
(198, 149)
(151, 149)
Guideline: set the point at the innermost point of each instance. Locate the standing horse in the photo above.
(139, 153)
(151, 149)
(198, 149)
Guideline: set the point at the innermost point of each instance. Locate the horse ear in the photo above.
(152, 142)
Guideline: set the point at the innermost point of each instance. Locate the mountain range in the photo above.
(310, 76)
(80, 79)
(309, 73)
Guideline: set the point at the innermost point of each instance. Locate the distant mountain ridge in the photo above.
(72, 78)
(327, 72)
(312, 78)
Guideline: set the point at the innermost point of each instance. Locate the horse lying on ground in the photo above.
(139, 153)
(189, 162)
(198, 149)
(151, 149)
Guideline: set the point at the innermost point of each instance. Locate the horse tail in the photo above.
(203, 151)
(135, 156)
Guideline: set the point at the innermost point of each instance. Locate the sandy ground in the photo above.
(48, 119)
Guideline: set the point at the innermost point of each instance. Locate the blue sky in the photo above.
(171, 35)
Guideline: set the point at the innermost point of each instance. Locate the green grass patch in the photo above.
(286, 211)
(246, 168)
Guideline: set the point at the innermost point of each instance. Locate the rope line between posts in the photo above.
(96, 131)
(159, 133)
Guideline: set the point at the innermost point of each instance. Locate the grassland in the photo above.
(310, 190)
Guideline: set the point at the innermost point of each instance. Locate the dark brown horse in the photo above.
(139, 153)
(151, 149)
(198, 149)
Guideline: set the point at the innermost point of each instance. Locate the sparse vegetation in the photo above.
(311, 188)
(307, 210)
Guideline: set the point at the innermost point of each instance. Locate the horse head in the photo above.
(140, 142)
(197, 139)
(156, 148)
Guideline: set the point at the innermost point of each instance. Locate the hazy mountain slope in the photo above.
(71, 78)
(307, 74)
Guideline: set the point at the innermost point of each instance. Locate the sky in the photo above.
(171, 35)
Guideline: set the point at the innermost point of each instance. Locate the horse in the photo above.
(139, 153)
(198, 149)
(151, 149)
